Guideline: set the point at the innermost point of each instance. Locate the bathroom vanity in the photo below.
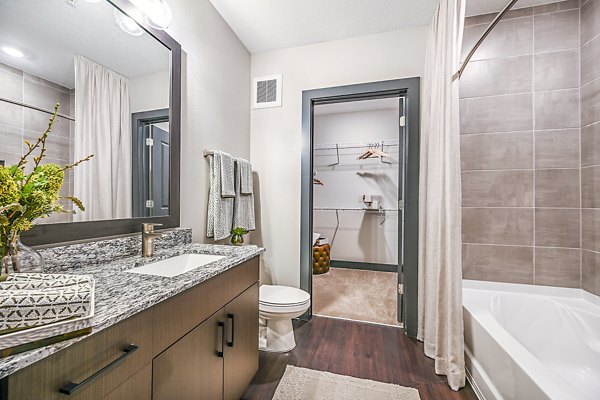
(194, 335)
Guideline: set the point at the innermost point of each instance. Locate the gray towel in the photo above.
(246, 175)
(243, 210)
(220, 209)
(227, 171)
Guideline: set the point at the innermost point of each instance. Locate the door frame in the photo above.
(139, 157)
(410, 89)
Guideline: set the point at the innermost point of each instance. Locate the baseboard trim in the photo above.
(364, 265)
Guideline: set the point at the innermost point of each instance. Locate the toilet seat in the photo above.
(276, 296)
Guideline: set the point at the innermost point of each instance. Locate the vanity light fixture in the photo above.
(128, 24)
(11, 51)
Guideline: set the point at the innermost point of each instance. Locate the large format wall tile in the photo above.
(590, 20)
(590, 187)
(506, 113)
(557, 109)
(557, 188)
(487, 18)
(590, 67)
(556, 70)
(508, 226)
(590, 145)
(37, 121)
(497, 189)
(557, 148)
(556, 31)
(9, 158)
(497, 76)
(509, 38)
(590, 103)
(57, 147)
(559, 6)
(11, 85)
(590, 271)
(511, 150)
(11, 115)
(555, 227)
(513, 264)
(590, 229)
(11, 139)
(45, 97)
(557, 267)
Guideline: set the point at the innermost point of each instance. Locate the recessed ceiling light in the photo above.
(11, 51)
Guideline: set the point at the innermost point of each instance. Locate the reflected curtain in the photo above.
(102, 128)
(440, 276)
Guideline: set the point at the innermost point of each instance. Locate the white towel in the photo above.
(220, 209)
(246, 176)
(227, 178)
(243, 210)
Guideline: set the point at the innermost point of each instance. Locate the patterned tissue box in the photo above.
(35, 307)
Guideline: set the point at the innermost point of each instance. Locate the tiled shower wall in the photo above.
(590, 145)
(520, 148)
(18, 123)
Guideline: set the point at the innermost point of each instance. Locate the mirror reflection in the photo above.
(112, 81)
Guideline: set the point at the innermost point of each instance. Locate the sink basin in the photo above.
(174, 266)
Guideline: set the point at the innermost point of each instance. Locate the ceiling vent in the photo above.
(266, 91)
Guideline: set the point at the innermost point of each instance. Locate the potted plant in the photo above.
(237, 236)
(28, 191)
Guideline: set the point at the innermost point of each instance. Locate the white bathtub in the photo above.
(531, 342)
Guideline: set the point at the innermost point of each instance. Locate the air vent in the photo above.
(266, 91)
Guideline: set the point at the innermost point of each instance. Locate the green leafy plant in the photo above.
(30, 190)
(237, 235)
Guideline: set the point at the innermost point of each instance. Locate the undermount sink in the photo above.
(174, 266)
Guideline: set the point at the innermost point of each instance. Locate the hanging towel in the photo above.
(227, 178)
(220, 209)
(246, 176)
(243, 212)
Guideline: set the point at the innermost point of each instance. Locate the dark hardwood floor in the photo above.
(368, 351)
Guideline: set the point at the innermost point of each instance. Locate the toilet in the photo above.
(277, 306)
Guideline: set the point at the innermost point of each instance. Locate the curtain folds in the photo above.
(102, 128)
(440, 274)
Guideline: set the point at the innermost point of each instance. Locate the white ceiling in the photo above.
(265, 25)
(357, 106)
(51, 32)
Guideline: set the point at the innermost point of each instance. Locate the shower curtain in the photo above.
(102, 128)
(440, 276)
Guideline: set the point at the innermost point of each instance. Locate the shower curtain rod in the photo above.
(18, 103)
(502, 13)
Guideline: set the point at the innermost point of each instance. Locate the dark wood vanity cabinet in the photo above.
(200, 344)
(216, 360)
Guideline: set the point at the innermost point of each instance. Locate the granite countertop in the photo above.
(120, 294)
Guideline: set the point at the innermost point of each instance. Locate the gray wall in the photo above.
(520, 150)
(18, 123)
(590, 144)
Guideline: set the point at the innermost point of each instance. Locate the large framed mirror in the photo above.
(118, 83)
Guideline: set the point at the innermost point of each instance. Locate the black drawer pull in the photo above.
(221, 327)
(232, 318)
(71, 387)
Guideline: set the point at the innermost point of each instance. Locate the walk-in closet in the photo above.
(357, 161)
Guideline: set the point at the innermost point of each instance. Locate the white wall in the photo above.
(215, 101)
(276, 132)
(149, 92)
(360, 237)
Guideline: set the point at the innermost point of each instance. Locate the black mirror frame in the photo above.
(47, 234)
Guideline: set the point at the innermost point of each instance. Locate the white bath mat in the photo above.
(307, 384)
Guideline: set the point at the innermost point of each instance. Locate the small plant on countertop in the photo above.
(27, 196)
(237, 236)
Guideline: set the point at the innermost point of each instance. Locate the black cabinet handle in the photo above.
(232, 318)
(71, 387)
(220, 327)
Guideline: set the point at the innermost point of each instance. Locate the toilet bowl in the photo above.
(277, 306)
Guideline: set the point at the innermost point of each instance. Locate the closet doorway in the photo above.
(359, 202)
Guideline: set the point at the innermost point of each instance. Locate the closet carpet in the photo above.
(355, 294)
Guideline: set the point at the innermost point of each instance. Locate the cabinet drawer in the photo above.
(138, 387)
(182, 313)
(95, 357)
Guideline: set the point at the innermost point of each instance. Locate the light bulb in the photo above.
(128, 24)
(11, 51)
(157, 13)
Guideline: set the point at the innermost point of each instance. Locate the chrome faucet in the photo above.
(148, 236)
